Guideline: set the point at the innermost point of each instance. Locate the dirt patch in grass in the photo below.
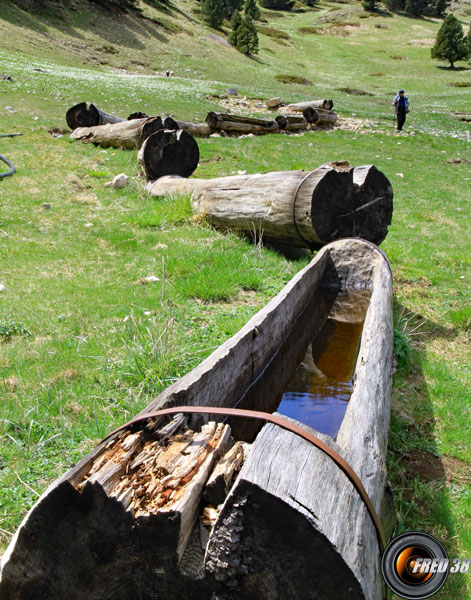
(397, 57)
(293, 79)
(426, 42)
(458, 161)
(311, 30)
(272, 32)
(376, 75)
(428, 468)
(460, 84)
(353, 91)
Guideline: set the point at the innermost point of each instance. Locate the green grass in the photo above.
(87, 343)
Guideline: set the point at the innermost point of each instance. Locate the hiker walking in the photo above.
(401, 108)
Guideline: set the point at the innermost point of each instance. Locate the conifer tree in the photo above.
(213, 12)
(251, 8)
(450, 44)
(235, 24)
(247, 38)
(370, 5)
(468, 42)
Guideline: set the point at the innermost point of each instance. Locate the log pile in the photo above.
(295, 208)
(124, 134)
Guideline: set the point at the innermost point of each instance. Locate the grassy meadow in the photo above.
(86, 342)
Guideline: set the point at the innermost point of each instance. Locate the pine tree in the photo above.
(370, 5)
(450, 44)
(235, 24)
(231, 6)
(213, 12)
(247, 38)
(394, 5)
(439, 7)
(416, 7)
(468, 42)
(251, 9)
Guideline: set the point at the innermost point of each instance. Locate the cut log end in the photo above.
(81, 115)
(353, 204)
(169, 152)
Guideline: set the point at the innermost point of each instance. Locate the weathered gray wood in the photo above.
(301, 106)
(125, 134)
(326, 117)
(293, 527)
(331, 203)
(291, 122)
(221, 478)
(195, 129)
(240, 124)
(81, 541)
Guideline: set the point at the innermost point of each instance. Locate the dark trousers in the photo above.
(401, 117)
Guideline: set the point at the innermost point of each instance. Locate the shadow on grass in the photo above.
(454, 69)
(415, 467)
(104, 22)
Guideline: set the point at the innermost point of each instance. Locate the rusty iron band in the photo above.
(285, 424)
(308, 244)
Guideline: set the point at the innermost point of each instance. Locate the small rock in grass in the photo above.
(10, 109)
(119, 181)
(232, 91)
(47, 205)
(7, 77)
(2, 288)
(400, 174)
(150, 279)
(273, 102)
(241, 172)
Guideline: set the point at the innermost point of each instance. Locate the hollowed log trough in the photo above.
(130, 520)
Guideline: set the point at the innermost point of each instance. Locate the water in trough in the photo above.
(321, 387)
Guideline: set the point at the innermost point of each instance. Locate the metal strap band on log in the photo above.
(311, 246)
(285, 424)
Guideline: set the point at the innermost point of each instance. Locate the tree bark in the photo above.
(88, 115)
(125, 134)
(238, 124)
(123, 523)
(301, 106)
(168, 152)
(331, 203)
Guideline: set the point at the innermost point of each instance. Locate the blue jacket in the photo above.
(395, 102)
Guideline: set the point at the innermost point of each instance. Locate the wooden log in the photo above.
(310, 114)
(301, 106)
(223, 474)
(240, 124)
(291, 122)
(88, 115)
(195, 129)
(168, 152)
(293, 527)
(326, 117)
(331, 203)
(116, 527)
(125, 134)
(138, 115)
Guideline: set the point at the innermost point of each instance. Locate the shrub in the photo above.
(277, 4)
